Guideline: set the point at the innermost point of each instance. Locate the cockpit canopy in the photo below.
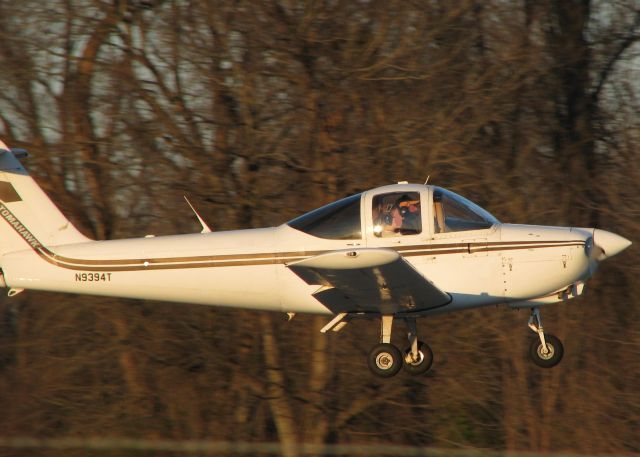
(454, 213)
(394, 213)
(339, 220)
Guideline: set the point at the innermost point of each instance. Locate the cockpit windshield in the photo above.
(454, 213)
(336, 221)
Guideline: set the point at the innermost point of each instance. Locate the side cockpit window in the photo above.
(397, 214)
(453, 213)
(336, 221)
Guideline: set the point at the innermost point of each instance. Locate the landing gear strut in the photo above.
(385, 360)
(546, 350)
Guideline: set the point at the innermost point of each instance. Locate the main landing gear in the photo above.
(546, 350)
(385, 360)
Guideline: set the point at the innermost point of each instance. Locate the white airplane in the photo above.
(402, 251)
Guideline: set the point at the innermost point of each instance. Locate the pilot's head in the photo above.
(391, 219)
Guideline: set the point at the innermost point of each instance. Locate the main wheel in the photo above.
(424, 362)
(385, 360)
(549, 358)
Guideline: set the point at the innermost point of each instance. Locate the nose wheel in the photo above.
(385, 359)
(546, 350)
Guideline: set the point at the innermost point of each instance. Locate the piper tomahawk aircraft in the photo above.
(401, 252)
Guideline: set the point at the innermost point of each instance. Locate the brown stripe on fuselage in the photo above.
(171, 266)
(205, 258)
(274, 258)
(282, 257)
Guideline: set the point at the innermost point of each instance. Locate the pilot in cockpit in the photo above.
(399, 217)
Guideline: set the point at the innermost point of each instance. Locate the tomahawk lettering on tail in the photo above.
(397, 252)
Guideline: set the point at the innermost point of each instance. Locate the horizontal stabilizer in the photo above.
(18, 153)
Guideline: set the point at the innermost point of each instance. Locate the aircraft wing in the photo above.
(368, 280)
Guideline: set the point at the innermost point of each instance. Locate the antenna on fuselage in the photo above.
(205, 227)
(425, 183)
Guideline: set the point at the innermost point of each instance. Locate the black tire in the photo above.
(385, 360)
(424, 364)
(556, 351)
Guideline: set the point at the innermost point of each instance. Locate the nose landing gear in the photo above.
(546, 350)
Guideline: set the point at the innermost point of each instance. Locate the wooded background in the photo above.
(259, 111)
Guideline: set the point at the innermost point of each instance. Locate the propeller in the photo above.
(595, 252)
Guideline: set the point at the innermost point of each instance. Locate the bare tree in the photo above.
(260, 111)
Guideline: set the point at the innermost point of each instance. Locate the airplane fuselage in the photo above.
(248, 268)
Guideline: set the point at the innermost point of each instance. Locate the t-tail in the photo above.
(28, 218)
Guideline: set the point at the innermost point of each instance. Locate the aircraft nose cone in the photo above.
(610, 243)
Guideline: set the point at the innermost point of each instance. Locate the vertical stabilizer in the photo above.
(28, 218)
